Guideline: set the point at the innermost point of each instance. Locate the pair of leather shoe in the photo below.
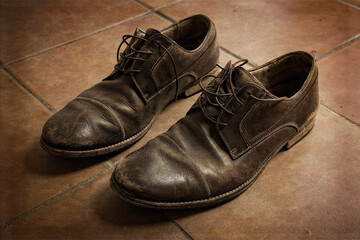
(213, 154)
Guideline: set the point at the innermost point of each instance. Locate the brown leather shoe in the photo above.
(152, 71)
(213, 154)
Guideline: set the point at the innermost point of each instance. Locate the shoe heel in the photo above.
(302, 133)
(195, 87)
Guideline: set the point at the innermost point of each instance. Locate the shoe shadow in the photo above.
(43, 163)
(176, 214)
(111, 209)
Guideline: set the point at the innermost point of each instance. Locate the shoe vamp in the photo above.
(122, 99)
(201, 143)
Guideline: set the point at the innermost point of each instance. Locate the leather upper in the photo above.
(128, 100)
(197, 158)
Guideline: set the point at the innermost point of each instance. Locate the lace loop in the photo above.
(213, 92)
(213, 95)
(132, 55)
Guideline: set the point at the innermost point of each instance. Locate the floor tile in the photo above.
(158, 3)
(262, 30)
(60, 75)
(308, 192)
(339, 81)
(29, 175)
(28, 27)
(93, 212)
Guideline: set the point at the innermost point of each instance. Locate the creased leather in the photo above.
(193, 161)
(122, 105)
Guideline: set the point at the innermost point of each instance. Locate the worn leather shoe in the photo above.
(213, 154)
(154, 69)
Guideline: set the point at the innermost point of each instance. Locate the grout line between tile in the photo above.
(169, 4)
(176, 225)
(82, 37)
(144, 5)
(158, 8)
(349, 4)
(339, 115)
(164, 16)
(26, 89)
(155, 11)
(344, 44)
(54, 199)
(116, 162)
(111, 164)
(254, 65)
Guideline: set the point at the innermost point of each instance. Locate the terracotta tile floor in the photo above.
(51, 51)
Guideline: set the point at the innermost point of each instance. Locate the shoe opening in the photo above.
(284, 77)
(190, 32)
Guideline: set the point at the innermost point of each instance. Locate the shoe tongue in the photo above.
(151, 32)
(139, 32)
(241, 76)
(135, 43)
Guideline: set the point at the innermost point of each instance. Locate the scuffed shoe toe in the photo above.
(158, 174)
(80, 126)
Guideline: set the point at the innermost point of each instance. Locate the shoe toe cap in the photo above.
(81, 125)
(158, 172)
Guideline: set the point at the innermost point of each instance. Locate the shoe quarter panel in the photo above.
(231, 135)
(148, 85)
(255, 159)
(262, 118)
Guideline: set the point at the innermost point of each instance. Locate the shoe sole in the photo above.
(98, 151)
(212, 201)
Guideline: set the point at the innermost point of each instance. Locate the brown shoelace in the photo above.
(133, 56)
(215, 93)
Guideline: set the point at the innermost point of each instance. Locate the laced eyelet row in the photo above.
(226, 75)
(132, 56)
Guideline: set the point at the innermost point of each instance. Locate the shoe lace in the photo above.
(217, 96)
(134, 56)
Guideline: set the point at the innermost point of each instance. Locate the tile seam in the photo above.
(169, 4)
(144, 5)
(27, 90)
(340, 115)
(349, 4)
(81, 38)
(254, 65)
(158, 8)
(177, 226)
(55, 198)
(340, 46)
(111, 164)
